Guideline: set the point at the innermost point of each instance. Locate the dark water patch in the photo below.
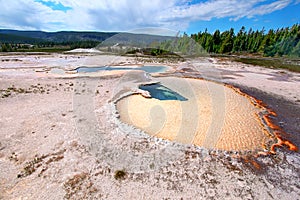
(161, 92)
(149, 69)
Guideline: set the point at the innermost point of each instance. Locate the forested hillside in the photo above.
(57, 37)
(284, 41)
(13, 40)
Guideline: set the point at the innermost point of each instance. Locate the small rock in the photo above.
(293, 160)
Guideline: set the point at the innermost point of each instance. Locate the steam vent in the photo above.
(199, 112)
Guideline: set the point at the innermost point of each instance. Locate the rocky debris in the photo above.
(40, 162)
(80, 186)
(144, 93)
(35, 89)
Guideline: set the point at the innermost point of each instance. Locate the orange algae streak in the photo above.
(278, 133)
(269, 122)
(272, 112)
(281, 142)
(291, 146)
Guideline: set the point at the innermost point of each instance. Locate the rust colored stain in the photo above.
(255, 164)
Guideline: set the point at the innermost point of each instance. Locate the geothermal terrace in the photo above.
(95, 126)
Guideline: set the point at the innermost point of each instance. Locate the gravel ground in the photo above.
(60, 138)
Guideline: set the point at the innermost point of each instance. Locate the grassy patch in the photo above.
(274, 63)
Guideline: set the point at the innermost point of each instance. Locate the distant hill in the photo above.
(73, 36)
(9, 38)
(15, 36)
(67, 40)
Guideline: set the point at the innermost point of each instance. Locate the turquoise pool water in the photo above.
(149, 69)
(161, 92)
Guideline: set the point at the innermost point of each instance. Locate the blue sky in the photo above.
(188, 16)
(54, 5)
(285, 17)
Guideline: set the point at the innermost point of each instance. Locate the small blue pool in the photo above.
(161, 92)
(149, 69)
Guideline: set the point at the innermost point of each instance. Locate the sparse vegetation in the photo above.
(31, 166)
(73, 185)
(155, 55)
(120, 175)
(80, 187)
(276, 63)
(38, 161)
(36, 89)
(152, 52)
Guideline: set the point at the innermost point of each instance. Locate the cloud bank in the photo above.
(124, 15)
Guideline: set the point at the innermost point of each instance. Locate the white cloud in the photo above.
(27, 14)
(123, 15)
(266, 9)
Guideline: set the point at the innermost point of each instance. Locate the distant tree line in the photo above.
(280, 42)
(71, 44)
(183, 46)
(12, 47)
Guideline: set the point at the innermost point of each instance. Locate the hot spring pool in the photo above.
(161, 92)
(202, 113)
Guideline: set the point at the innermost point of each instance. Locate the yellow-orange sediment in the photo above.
(215, 116)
